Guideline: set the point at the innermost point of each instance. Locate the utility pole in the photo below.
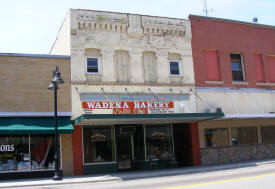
(205, 9)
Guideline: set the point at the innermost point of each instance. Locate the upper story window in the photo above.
(174, 68)
(122, 65)
(237, 66)
(150, 67)
(212, 67)
(92, 66)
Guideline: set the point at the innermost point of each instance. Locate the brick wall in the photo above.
(24, 84)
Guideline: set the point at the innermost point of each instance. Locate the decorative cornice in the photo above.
(134, 84)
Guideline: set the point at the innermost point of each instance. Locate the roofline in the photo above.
(232, 21)
(68, 14)
(186, 19)
(34, 55)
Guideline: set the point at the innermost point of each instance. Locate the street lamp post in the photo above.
(54, 86)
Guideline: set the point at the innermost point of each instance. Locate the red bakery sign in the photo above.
(127, 107)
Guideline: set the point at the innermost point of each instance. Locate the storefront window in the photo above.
(26, 152)
(216, 137)
(159, 142)
(42, 152)
(98, 145)
(244, 135)
(268, 134)
(14, 153)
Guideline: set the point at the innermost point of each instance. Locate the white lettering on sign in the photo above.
(7, 148)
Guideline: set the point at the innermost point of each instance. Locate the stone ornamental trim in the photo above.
(150, 26)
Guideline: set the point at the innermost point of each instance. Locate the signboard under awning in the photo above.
(129, 107)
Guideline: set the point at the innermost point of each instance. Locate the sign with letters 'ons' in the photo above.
(6, 147)
(128, 107)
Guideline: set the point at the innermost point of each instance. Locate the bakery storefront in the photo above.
(135, 134)
(27, 146)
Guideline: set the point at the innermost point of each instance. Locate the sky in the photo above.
(31, 26)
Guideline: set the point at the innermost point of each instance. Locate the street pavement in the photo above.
(259, 174)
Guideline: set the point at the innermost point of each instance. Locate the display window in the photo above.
(42, 152)
(159, 142)
(26, 152)
(98, 145)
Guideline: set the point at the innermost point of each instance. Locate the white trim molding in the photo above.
(249, 116)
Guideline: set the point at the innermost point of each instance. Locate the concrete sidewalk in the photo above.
(130, 175)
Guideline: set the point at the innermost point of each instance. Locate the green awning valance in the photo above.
(136, 118)
(34, 125)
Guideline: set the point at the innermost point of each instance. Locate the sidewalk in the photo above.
(129, 175)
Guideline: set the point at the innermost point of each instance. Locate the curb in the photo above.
(125, 177)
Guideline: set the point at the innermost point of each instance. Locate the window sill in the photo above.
(214, 82)
(239, 83)
(92, 73)
(175, 75)
(265, 84)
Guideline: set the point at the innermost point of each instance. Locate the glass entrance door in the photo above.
(124, 151)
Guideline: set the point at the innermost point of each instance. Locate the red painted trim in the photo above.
(77, 150)
(194, 129)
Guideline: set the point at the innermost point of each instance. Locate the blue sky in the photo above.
(31, 26)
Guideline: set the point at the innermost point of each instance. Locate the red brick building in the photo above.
(234, 66)
(214, 40)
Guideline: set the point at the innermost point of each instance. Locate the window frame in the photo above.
(245, 127)
(112, 135)
(179, 66)
(29, 137)
(242, 64)
(98, 66)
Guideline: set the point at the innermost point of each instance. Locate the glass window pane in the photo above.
(216, 137)
(92, 65)
(98, 145)
(268, 134)
(42, 152)
(159, 142)
(14, 153)
(174, 68)
(236, 66)
(244, 135)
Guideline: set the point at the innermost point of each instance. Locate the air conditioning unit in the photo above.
(127, 130)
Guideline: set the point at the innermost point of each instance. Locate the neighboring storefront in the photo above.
(26, 115)
(237, 139)
(27, 145)
(135, 134)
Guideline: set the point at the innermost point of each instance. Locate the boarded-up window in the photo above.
(212, 65)
(122, 66)
(150, 68)
(244, 135)
(268, 134)
(271, 68)
(216, 137)
(259, 67)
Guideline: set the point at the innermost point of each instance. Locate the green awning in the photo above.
(35, 125)
(135, 118)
